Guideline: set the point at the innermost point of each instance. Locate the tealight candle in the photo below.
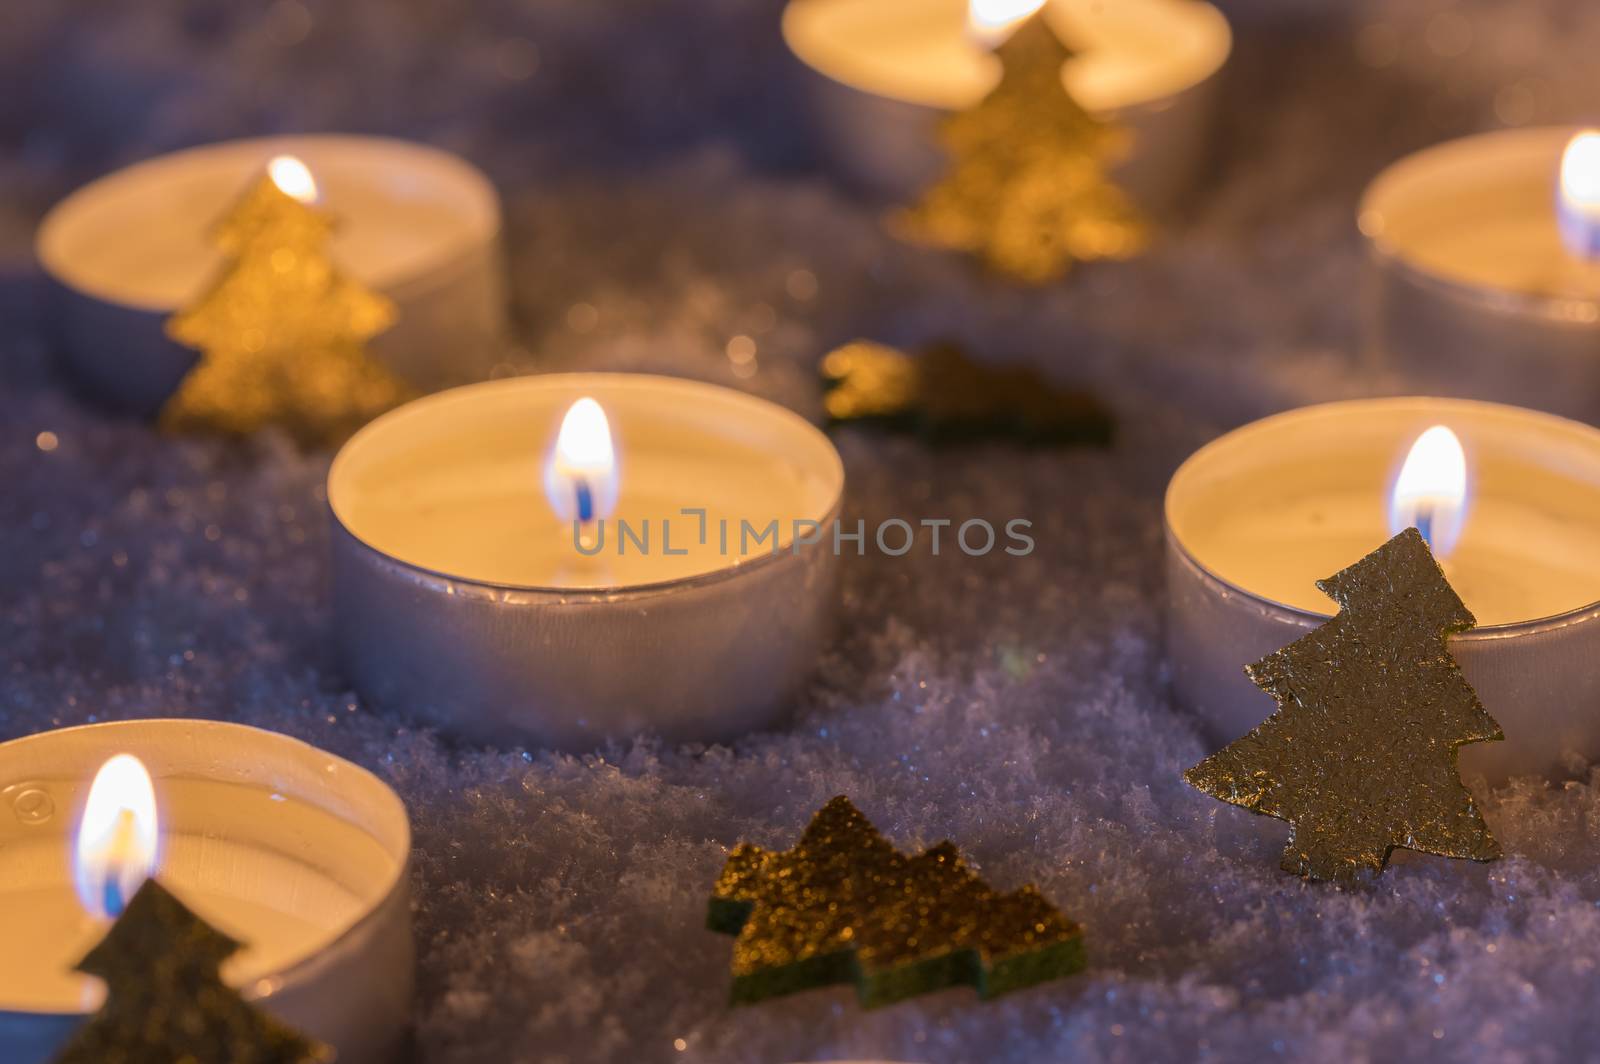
(417, 224)
(568, 558)
(1510, 499)
(298, 854)
(886, 71)
(1485, 269)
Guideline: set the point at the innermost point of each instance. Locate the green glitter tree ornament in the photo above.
(947, 397)
(1360, 757)
(844, 906)
(166, 1002)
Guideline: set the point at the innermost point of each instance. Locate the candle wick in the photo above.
(585, 499)
(113, 902)
(1425, 524)
(585, 495)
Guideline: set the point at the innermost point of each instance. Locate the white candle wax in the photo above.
(1256, 517)
(922, 52)
(886, 70)
(281, 908)
(1530, 547)
(456, 485)
(128, 250)
(459, 594)
(143, 237)
(296, 854)
(1482, 212)
(1471, 290)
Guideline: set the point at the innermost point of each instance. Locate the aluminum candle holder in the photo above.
(461, 596)
(883, 74)
(1255, 517)
(1470, 290)
(300, 855)
(417, 224)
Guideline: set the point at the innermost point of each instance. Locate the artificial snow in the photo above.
(662, 199)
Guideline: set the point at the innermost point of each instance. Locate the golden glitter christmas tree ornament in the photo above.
(1360, 757)
(165, 1002)
(1027, 190)
(281, 332)
(844, 906)
(945, 396)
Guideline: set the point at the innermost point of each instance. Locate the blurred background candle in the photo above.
(885, 71)
(1485, 270)
(1511, 499)
(298, 854)
(417, 224)
(464, 592)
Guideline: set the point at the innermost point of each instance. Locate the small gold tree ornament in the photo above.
(1027, 190)
(281, 332)
(1360, 757)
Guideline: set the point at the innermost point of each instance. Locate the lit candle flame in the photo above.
(1430, 494)
(118, 838)
(580, 476)
(1578, 200)
(992, 21)
(293, 177)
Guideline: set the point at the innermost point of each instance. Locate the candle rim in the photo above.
(1373, 222)
(372, 906)
(576, 382)
(1312, 618)
(484, 214)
